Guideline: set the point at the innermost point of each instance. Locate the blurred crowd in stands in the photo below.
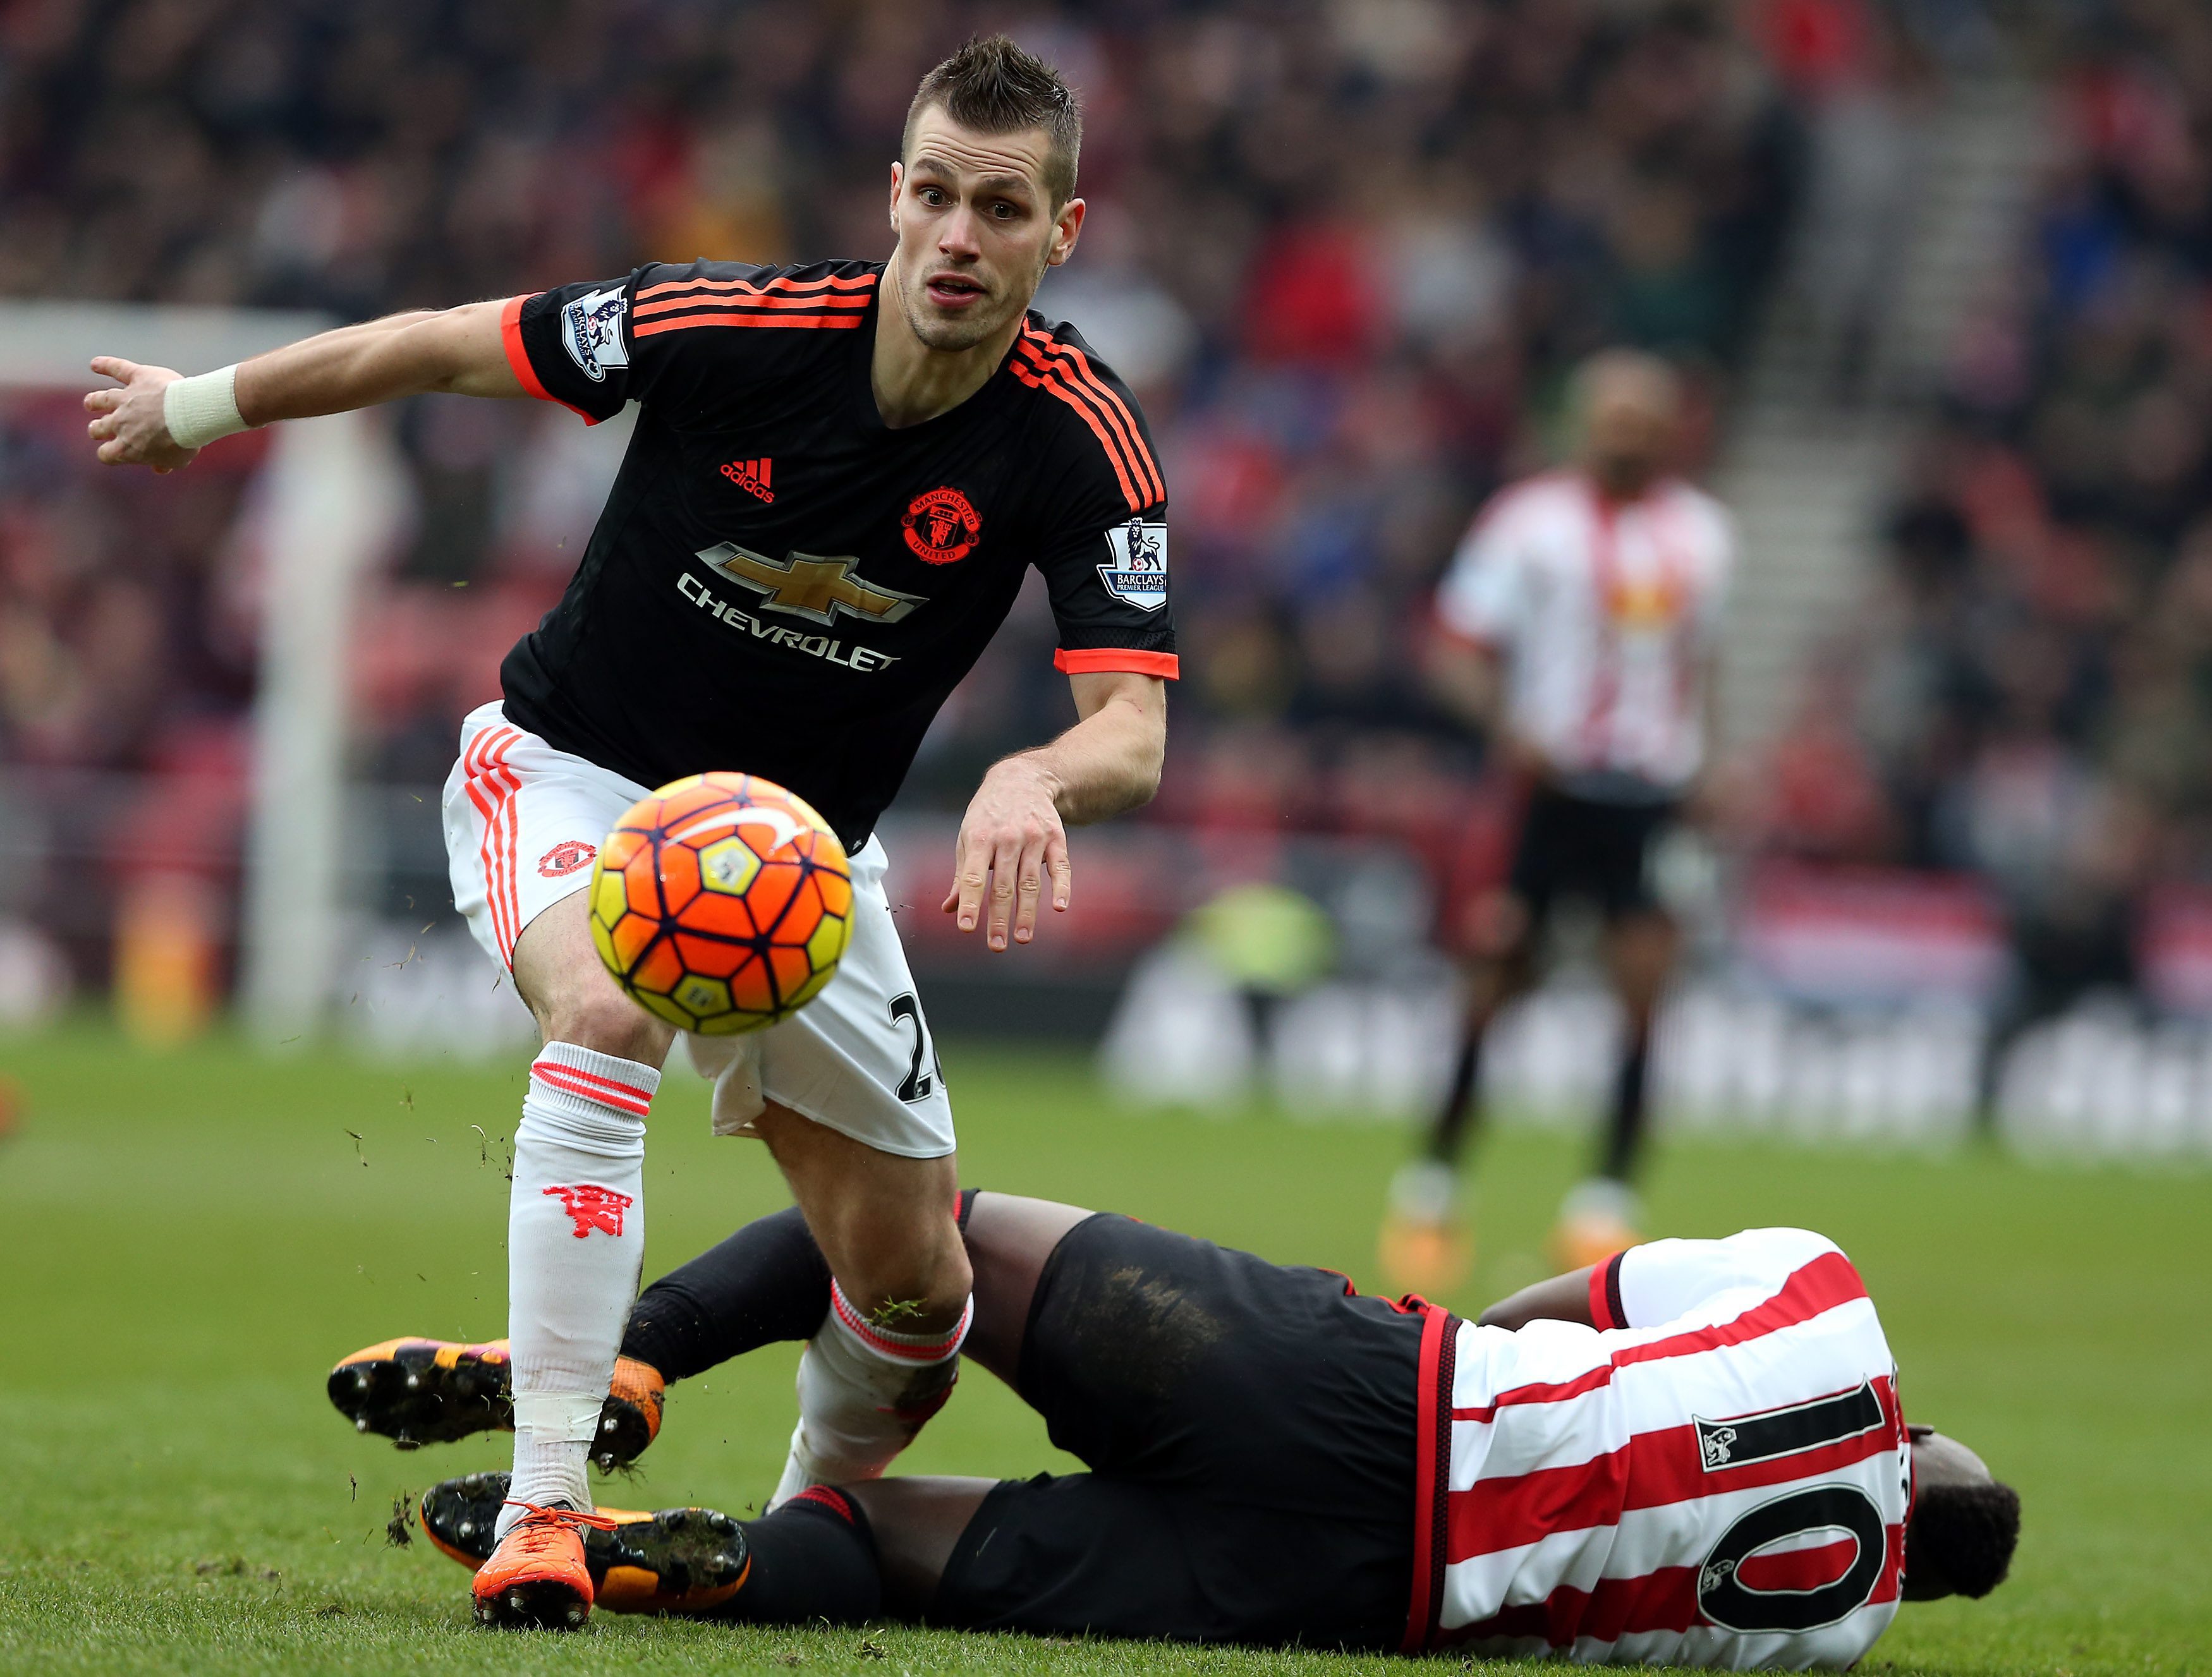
(2031, 698)
(1346, 251)
(1343, 252)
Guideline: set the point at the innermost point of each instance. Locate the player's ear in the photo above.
(1067, 228)
(898, 175)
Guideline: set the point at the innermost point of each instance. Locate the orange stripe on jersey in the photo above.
(1140, 455)
(669, 304)
(858, 282)
(1067, 374)
(677, 323)
(1101, 660)
(1051, 381)
(517, 358)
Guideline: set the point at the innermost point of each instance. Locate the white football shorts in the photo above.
(524, 823)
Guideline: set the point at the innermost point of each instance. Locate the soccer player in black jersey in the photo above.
(839, 475)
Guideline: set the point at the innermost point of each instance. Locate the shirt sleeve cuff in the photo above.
(1097, 660)
(1606, 1311)
(517, 358)
(1480, 640)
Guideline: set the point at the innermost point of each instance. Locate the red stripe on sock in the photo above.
(825, 1496)
(899, 1346)
(636, 1103)
(613, 1085)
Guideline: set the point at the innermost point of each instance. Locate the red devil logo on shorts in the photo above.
(566, 857)
(594, 1207)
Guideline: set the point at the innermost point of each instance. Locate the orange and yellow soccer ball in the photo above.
(721, 903)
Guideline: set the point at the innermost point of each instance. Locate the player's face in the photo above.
(976, 229)
(1628, 429)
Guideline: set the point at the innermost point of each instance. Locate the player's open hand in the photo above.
(129, 423)
(1011, 841)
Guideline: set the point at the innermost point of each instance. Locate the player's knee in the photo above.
(927, 1288)
(608, 1024)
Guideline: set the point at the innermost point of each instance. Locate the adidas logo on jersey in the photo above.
(752, 477)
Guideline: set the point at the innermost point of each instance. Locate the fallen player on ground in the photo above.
(1692, 1452)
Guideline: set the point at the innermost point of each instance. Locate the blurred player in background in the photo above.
(840, 477)
(1578, 624)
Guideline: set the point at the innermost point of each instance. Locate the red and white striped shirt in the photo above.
(1606, 613)
(1718, 1475)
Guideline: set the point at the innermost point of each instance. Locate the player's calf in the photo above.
(885, 1359)
(864, 1392)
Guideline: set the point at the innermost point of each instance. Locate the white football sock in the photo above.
(575, 1242)
(863, 1394)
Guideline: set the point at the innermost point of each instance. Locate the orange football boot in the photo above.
(417, 1392)
(1598, 1218)
(1423, 1246)
(536, 1578)
(678, 1560)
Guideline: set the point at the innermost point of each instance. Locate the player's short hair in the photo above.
(993, 87)
(1622, 361)
(1963, 1535)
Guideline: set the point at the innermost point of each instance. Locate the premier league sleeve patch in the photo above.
(1138, 574)
(592, 330)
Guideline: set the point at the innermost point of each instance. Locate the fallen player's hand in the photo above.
(129, 423)
(1011, 838)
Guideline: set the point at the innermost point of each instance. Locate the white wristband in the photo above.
(199, 409)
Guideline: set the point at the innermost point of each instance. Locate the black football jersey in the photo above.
(781, 584)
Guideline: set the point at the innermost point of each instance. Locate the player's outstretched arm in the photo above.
(160, 418)
(1015, 834)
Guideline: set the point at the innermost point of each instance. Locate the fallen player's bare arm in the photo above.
(1562, 1299)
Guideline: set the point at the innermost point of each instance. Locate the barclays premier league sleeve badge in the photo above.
(1138, 574)
(591, 328)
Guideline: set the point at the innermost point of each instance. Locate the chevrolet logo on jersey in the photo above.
(807, 586)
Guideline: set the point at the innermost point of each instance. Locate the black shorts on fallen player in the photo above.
(1250, 1432)
(1579, 847)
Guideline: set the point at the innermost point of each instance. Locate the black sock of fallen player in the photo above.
(1448, 1136)
(813, 1558)
(1625, 1132)
(765, 1282)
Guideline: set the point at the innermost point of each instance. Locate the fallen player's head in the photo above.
(983, 194)
(1965, 1524)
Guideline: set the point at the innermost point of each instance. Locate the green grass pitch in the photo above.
(187, 1242)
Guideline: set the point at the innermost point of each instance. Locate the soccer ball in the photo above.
(721, 903)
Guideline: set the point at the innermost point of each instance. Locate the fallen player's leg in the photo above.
(813, 1559)
(420, 1391)
(1253, 1426)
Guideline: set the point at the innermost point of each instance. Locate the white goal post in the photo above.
(325, 520)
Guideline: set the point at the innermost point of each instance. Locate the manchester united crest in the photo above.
(566, 857)
(941, 527)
